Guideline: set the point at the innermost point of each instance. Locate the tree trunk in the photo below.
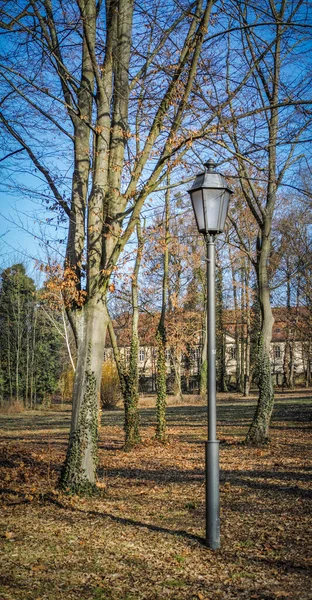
(308, 369)
(177, 360)
(203, 357)
(9, 359)
(131, 396)
(248, 336)
(221, 369)
(259, 428)
(131, 388)
(161, 388)
(247, 367)
(18, 345)
(236, 334)
(79, 470)
(287, 349)
(32, 361)
(203, 363)
(161, 336)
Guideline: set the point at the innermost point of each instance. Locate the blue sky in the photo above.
(24, 226)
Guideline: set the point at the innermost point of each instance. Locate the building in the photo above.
(291, 346)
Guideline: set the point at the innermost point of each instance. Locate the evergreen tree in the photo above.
(30, 346)
(16, 316)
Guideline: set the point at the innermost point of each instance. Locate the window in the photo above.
(196, 353)
(141, 355)
(232, 352)
(277, 352)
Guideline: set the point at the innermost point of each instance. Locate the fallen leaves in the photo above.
(9, 535)
(141, 538)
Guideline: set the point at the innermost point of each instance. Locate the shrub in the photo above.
(66, 384)
(110, 386)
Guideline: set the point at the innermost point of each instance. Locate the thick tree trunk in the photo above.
(79, 470)
(259, 429)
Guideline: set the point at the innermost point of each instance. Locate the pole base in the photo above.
(212, 495)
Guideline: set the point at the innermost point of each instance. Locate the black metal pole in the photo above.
(212, 445)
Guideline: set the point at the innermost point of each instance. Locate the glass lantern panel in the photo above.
(198, 208)
(213, 205)
(224, 209)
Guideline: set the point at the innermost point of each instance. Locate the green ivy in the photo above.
(161, 401)
(131, 399)
(74, 477)
(258, 432)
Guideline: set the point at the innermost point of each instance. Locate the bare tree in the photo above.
(265, 147)
(113, 91)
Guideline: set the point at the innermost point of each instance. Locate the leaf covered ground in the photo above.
(142, 536)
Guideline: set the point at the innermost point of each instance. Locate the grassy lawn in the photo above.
(141, 538)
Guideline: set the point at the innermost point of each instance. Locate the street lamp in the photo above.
(210, 199)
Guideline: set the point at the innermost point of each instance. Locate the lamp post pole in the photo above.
(210, 199)
(212, 445)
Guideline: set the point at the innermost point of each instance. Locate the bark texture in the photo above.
(79, 470)
(131, 388)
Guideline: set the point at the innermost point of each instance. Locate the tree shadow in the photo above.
(13, 461)
(248, 479)
(241, 479)
(235, 414)
(126, 521)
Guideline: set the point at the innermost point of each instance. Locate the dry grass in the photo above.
(142, 537)
(12, 407)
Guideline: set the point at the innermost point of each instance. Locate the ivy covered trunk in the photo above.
(96, 93)
(203, 361)
(161, 336)
(259, 429)
(248, 337)
(161, 401)
(221, 336)
(79, 470)
(288, 353)
(247, 359)
(131, 397)
(203, 378)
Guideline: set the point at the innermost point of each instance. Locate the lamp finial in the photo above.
(210, 165)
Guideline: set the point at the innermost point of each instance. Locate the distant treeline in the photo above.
(30, 348)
